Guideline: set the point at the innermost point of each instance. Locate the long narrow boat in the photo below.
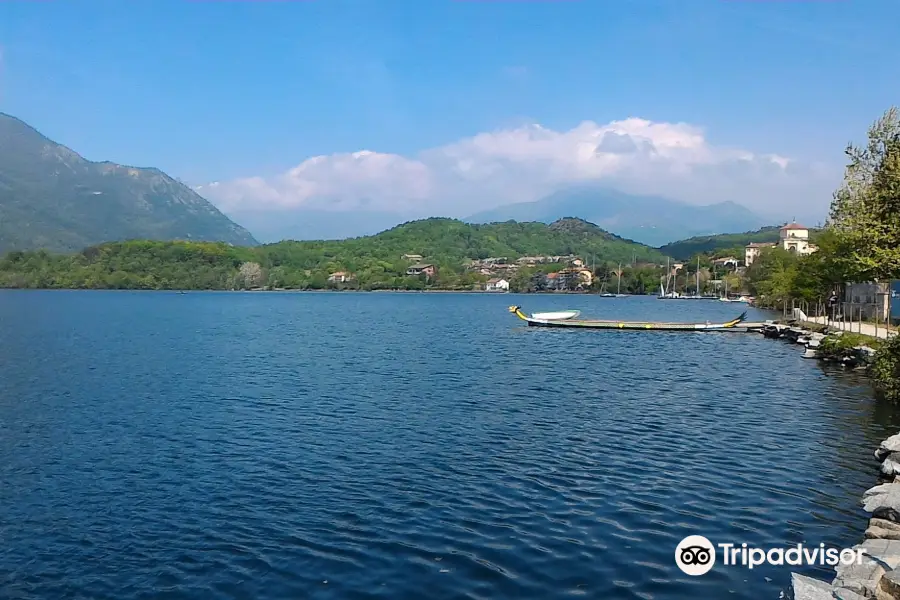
(595, 324)
(556, 316)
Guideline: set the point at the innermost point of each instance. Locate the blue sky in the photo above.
(212, 90)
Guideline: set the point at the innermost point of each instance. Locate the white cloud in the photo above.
(517, 165)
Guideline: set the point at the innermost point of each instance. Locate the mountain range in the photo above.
(52, 198)
(650, 220)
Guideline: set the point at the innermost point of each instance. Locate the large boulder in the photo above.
(883, 501)
(807, 588)
(890, 466)
(889, 586)
(882, 529)
(864, 578)
(892, 444)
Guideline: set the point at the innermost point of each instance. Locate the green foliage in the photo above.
(778, 276)
(726, 244)
(885, 370)
(841, 345)
(374, 261)
(771, 276)
(865, 211)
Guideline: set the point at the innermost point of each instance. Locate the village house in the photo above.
(751, 252)
(792, 237)
(551, 281)
(416, 258)
(728, 262)
(568, 279)
(428, 270)
(496, 285)
(340, 277)
(540, 260)
(578, 277)
(795, 238)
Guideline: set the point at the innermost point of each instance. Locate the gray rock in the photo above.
(877, 533)
(883, 501)
(845, 594)
(889, 586)
(890, 466)
(807, 588)
(880, 557)
(884, 524)
(860, 578)
(887, 552)
(892, 444)
(883, 529)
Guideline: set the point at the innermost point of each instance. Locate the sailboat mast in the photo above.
(619, 282)
(698, 275)
(668, 274)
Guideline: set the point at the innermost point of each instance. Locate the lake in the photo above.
(401, 445)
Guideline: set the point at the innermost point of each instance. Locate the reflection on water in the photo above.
(217, 445)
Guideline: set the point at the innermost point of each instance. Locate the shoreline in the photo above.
(296, 291)
(878, 575)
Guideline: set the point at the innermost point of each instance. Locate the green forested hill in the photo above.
(708, 244)
(50, 197)
(725, 243)
(375, 261)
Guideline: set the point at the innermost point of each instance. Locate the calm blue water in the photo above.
(269, 446)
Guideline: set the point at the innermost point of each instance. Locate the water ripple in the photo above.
(385, 446)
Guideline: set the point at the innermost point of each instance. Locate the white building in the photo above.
(795, 238)
(496, 285)
(340, 277)
(792, 237)
(751, 252)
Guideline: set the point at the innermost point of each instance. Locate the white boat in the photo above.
(744, 299)
(561, 315)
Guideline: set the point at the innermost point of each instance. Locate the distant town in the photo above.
(575, 273)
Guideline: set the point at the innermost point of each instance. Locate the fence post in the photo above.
(859, 319)
(876, 317)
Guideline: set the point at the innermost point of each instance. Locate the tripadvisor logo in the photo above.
(696, 555)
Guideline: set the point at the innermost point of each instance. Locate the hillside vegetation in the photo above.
(725, 243)
(374, 262)
(52, 198)
(713, 244)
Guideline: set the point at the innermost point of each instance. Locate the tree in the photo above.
(250, 275)
(865, 211)
(772, 275)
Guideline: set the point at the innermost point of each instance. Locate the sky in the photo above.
(411, 107)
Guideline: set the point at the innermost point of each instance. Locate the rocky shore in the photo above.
(847, 349)
(878, 576)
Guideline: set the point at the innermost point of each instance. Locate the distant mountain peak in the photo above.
(652, 220)
(51, 197)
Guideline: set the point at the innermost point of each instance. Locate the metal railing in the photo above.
(871, 318)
